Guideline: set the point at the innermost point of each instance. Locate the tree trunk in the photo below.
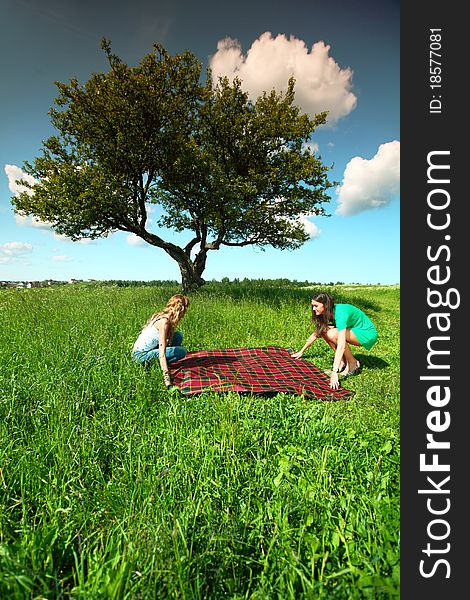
(190, 279)
(191, 271)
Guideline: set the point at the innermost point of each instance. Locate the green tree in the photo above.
(229, 171)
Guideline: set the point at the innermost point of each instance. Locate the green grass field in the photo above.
(110, 487)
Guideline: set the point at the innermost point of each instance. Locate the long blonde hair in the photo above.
(174, 311)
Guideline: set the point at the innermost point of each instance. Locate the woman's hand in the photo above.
(307, 344)
(334, 381)
(167, 379)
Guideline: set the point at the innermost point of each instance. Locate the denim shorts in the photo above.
(174, 351)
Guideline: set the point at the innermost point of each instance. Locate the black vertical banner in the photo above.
(435, 359)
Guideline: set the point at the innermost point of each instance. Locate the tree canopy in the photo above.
(225, 169)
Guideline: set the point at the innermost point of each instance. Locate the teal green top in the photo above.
(351, 317)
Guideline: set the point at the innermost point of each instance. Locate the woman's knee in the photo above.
(175, 353)
(177, 339)
(331, 335)
(145, 357)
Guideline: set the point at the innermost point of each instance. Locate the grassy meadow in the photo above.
(113, 488)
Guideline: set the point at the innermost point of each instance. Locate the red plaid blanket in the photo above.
(268, 369)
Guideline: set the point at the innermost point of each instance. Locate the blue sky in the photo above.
(345, 57)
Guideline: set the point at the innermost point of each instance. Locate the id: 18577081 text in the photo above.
(435, 70)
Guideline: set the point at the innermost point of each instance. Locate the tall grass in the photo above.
(110, 487)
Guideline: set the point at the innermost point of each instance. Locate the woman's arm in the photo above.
(307, 344)
(341, 345)
(162, 328)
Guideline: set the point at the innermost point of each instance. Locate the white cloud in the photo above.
(14, 173)
(63, 238)
(30, 221)
(61, 258)
(370, 183)
(310, 228)
(13, 251)
(311, 146)
(195, 249)
(135, 240)
(321, 84)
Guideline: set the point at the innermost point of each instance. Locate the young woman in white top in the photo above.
(159, 337)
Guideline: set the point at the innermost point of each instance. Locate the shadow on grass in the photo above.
(372, 362)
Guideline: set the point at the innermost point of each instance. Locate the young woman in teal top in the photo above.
(340, 325)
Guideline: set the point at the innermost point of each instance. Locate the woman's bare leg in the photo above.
(349, 361)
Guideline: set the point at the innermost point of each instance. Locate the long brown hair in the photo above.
(322, 321)
(174, 311)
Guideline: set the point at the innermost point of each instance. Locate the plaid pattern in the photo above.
(268, 369)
